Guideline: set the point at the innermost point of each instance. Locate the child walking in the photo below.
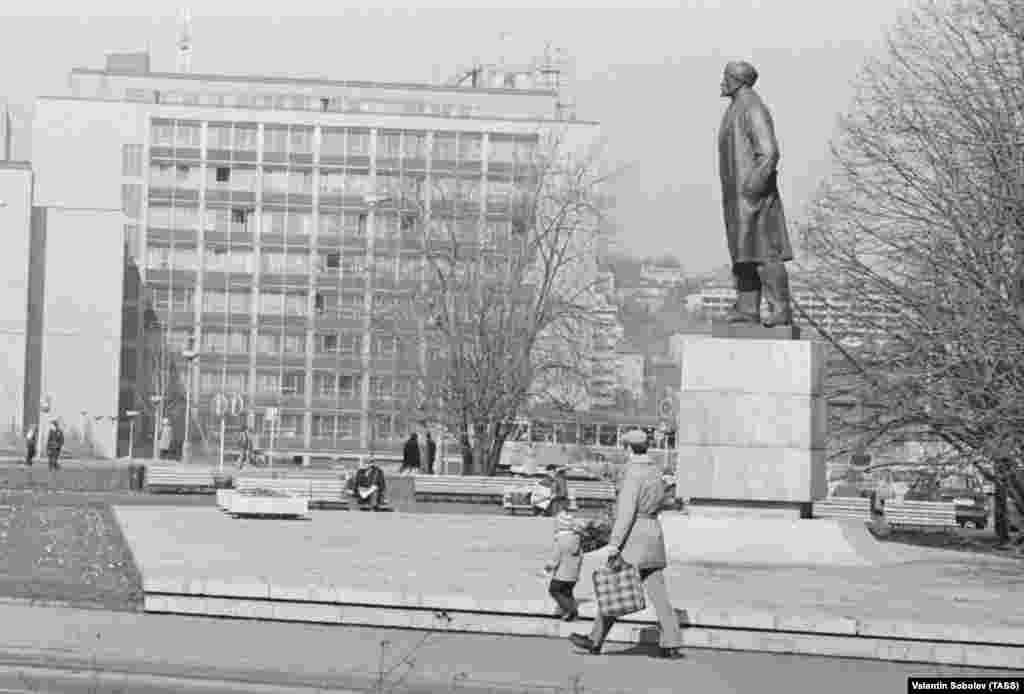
(564, 566)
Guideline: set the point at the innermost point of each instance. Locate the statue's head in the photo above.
(737, 74)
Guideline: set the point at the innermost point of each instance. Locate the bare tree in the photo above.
(921, 235)
(506, 309)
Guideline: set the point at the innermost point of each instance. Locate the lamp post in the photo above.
(131, 415)
(158, 424)
(190, 355)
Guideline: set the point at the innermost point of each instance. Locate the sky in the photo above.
(648, 74)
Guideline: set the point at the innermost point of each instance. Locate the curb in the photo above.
(989, 647)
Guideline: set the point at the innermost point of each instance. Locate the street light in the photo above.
(158, 424)
(131, 415)
(190, 355)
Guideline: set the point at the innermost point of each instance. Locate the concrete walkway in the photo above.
(280, 657)
(413, 570)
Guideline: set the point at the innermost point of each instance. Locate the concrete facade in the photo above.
(752, 421)
(243, 203)
(15, 222)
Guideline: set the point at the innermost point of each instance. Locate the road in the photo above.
(51, 649)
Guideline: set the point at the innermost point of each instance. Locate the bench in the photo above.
(179, 479)
(920, 514)
(848, 507)
(319, 492)
(492, 489)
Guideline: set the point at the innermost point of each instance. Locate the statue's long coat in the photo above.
(748, 154)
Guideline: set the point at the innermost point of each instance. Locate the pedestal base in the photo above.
(753, 331)
(747, 508)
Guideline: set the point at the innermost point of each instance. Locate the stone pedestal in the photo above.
(752, 423)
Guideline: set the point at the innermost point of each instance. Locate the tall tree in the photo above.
(921, 233)
(507, 313)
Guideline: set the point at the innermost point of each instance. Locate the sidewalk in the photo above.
(482, 573)
(334, 658)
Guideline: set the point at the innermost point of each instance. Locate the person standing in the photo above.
(244, 448)
(54, 444)
(638, 538)
(31, 442)
(431, 454)
(165, 439)
(411, 455)
(564, 567)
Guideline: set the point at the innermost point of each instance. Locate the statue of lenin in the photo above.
(755, 226)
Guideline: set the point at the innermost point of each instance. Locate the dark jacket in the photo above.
(368, 477)
(559, 487)
(55, 440)
(431, 452)
(411, 454)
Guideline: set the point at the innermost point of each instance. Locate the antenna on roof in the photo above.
(185, 41)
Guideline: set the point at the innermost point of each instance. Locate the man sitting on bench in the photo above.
(367, 484)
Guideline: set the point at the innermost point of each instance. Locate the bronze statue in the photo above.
(755, 225)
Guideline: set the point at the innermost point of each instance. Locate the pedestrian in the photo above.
(244, 448)
(431, 454)
(31, 442)
(638, 539)
(411, 455)
(559, 490)
(564, 567)
(54, 444)
(165, 439)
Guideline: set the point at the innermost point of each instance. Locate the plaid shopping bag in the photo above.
(618, 589)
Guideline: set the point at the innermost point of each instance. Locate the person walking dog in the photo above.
(638, 538)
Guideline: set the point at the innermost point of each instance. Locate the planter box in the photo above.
(244, 505)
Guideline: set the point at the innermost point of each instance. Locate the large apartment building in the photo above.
(270, 222)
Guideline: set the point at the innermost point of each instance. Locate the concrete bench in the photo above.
(852, 507)
(322, 492)
(920, 514)
(187, 480)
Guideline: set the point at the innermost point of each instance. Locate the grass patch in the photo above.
(65, 548)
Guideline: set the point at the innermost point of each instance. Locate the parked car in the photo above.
(965, 491)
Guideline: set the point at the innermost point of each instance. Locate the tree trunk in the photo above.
(1004, 478)
(467, 454)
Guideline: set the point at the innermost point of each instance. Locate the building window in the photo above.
(162, 134)
(348, 427)
(380, 427)
(326, 343)
(275, 181)
(268, 343)
(131, 200)
(358, 143)
(218, 136)
(178, 299)
(332, 142)
(272, 222)
(268, 382)
(501, 150)
(325, 384)
(381, 387)
(329, 224)
(330, 262)
(275, 139)
(295, 344)
(469, 147)
(246, 138)
(215, 301)
(131, 160)
(301, 140)
(389, 145)
(383, 267)
(323, 426)
(349, 386)
(300, 223)
(238, 341)
(350, 345)
(445, 147)
(186, 135)
(293, 383)
(236, 382)
(215, 341)
(296, 304)
(414, 145)
(222, 174)
(300, 182)
(272, 303)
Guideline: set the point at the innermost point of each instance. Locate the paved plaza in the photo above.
(493, 564)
